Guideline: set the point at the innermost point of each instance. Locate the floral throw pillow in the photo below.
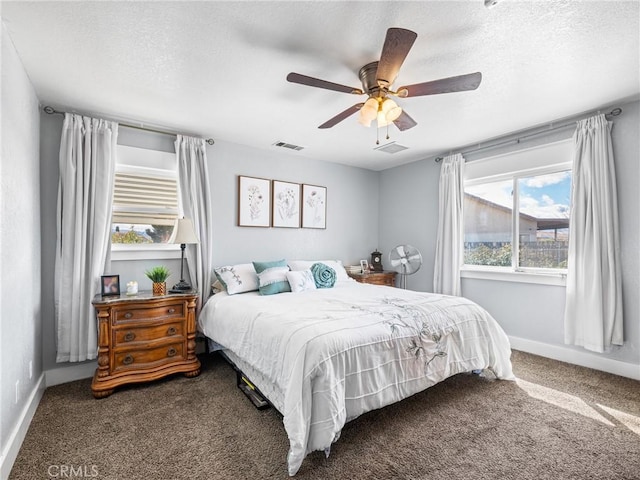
(239, 278)
(301, 280)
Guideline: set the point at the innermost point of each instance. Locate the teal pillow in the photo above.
(272, 277)
(262, 266)
(324, 275)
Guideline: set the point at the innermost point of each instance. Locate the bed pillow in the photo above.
(323, 275)
(301, 280)
(217, 287)
(341, 273)
(272, 277)
(239, 278)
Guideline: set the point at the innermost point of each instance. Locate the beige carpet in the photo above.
(558, 422)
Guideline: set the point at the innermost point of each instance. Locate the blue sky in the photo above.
(541, 196)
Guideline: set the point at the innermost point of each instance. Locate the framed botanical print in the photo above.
(314, 206)
(286, 204)
(254, 202)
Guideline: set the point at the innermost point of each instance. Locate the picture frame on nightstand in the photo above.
(110, 285)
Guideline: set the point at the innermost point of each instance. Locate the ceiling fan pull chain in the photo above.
(377, 136)
(387, 131)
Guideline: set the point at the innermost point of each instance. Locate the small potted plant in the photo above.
(158, 275)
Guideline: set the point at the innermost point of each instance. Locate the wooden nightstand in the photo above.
(143, 338)
(375, 278)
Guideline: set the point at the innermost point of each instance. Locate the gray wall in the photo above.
(352, 218)
(20, 317)
(352, 201)
(409, 204)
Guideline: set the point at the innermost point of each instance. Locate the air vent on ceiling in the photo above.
(288, 145)
(392, 147)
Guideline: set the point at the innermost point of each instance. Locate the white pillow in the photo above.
(238, 278)
(341, 273)
(301, 280)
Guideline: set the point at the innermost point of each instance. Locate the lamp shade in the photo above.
(368, 112)
(391, 110)
(183, 232)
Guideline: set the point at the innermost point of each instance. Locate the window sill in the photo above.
(145, 252)
(557, 279)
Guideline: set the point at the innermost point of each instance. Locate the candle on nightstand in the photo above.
(132, 288)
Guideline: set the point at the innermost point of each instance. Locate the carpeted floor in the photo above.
(557, 422)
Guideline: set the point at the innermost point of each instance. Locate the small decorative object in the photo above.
(364, 266)
(286, 204)
(183, 233)
(314, 206)
(376, 261)
(132, 288)
(110, 285)
(254, 202)
(158, 275)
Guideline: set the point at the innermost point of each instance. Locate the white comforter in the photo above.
(340, 352)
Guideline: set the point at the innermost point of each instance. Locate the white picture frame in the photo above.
(314, 206)
(254, 202)
(364, 266)
(285, 204)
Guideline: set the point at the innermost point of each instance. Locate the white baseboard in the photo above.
(56, 376)
(576, 357)
(52, 377)
(10, 453)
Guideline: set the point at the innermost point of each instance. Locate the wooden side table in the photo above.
(375, 278)
(143, 338)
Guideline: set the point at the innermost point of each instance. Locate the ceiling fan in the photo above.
(377, 79)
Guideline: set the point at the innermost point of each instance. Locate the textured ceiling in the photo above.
(218, 69)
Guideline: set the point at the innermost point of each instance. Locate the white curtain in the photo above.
(193, 178)
(593, 311)
(450, 236)
(85, 194)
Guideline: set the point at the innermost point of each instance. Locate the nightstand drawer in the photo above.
(139, 359)
(175, 310)
(131, 336)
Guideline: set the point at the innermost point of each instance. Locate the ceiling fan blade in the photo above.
(395, 49)
(341, 116)
(316, 82)
(404, 122)
(460, 83)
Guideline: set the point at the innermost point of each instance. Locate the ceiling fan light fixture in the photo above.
(382, 119)
(368, 112)
(390, 109)
(362, 120)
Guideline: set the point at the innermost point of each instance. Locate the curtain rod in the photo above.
(551, 128)
(51, 111)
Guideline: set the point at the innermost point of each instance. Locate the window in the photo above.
(535, 239)
(145, 198)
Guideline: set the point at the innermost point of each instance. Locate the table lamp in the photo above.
(183, 233)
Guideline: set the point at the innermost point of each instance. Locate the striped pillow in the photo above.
(272, 277)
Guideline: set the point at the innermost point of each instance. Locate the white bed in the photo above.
(323, 357)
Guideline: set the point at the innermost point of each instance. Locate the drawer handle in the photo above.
(171, 352)
(172, 310)
(171, 331)
(129, 336)
(128, 360)
(128, 315)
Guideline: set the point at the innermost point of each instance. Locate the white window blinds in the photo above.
(145, 199)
